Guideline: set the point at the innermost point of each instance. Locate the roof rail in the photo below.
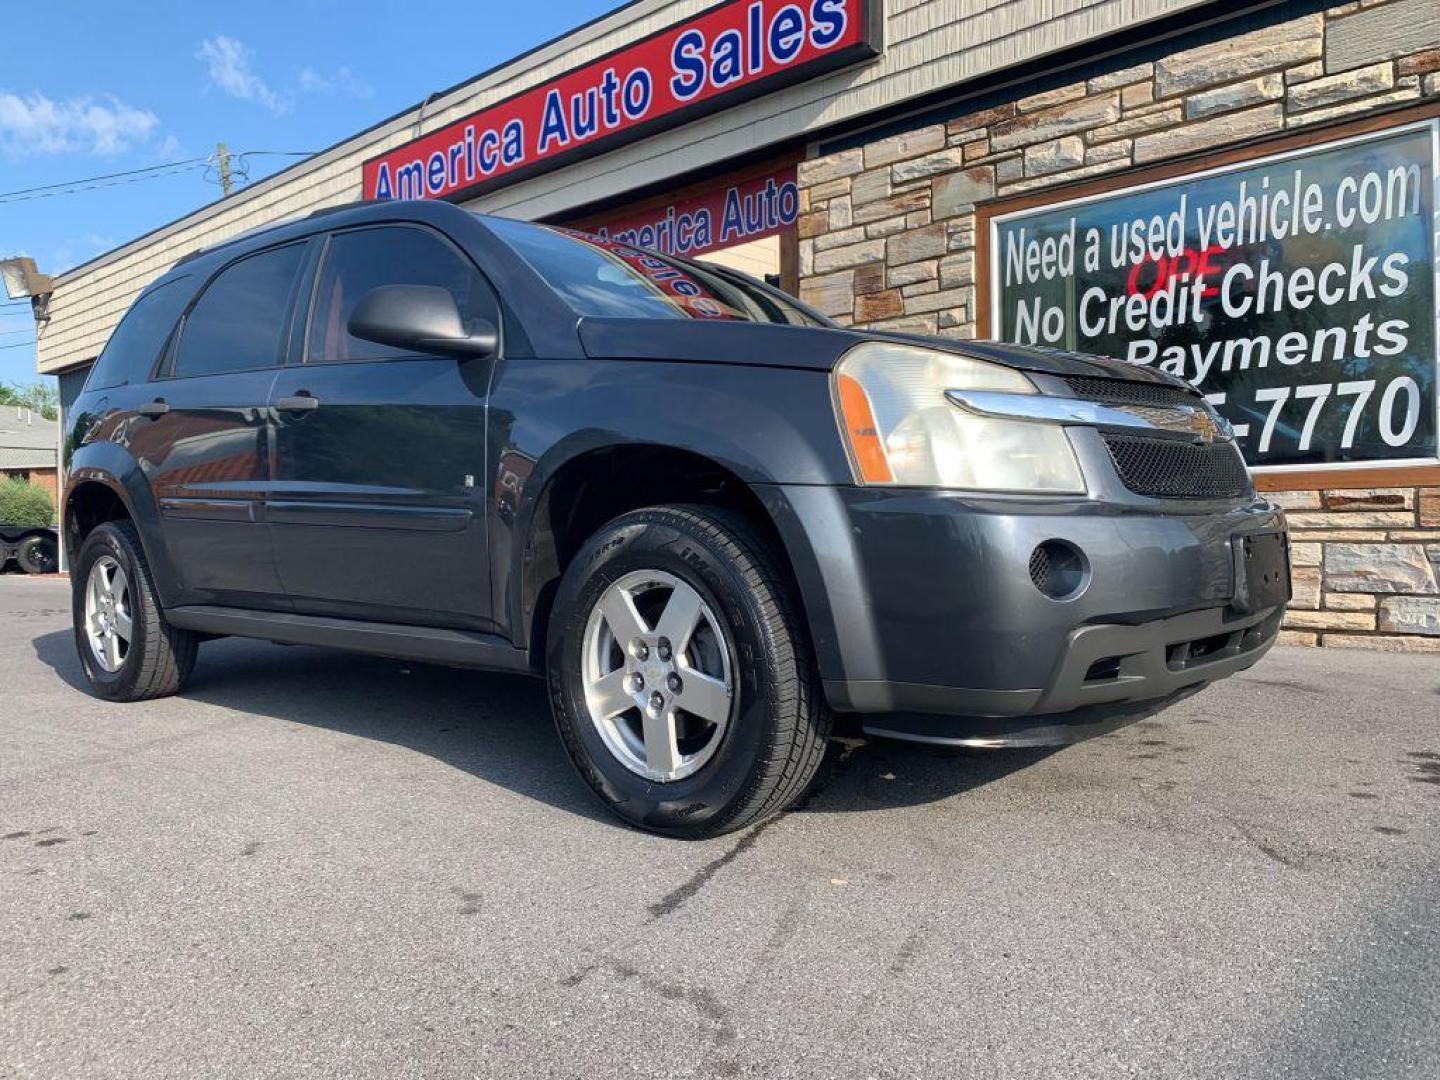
(344, 206)
(227, 242)
(272, 225)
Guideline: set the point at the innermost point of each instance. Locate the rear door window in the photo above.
(356, 262)
(239, 321)
(137, 342)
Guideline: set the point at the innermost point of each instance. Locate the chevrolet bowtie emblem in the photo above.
(1203, 426)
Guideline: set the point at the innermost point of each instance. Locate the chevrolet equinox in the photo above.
(711, 518)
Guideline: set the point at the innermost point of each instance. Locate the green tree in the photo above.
(43, 397)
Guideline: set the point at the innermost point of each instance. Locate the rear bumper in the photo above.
(926, 621)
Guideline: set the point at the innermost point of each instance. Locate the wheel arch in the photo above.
(90, 501)
(106, 484)
(589, 488)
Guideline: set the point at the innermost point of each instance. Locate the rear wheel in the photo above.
(680, 675)
(38, 555)
(128, 650)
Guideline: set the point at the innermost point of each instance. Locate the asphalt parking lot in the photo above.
(317, 864)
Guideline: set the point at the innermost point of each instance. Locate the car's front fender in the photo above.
(761, 425)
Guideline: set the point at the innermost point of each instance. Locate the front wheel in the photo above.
(128, 650)
(680, 674)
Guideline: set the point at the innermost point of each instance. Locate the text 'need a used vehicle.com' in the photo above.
(710, 517)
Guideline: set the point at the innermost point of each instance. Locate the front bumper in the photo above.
(1107, 675)
(926, 621)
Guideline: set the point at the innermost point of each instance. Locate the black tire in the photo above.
(38, 554)
(779, 723)
(160, 656)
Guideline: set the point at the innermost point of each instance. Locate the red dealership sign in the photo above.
(732, 52)
(748, 209)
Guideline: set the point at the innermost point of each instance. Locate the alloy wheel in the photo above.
(109, 624)
(657, 675)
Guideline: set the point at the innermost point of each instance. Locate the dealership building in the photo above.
(1243, 194)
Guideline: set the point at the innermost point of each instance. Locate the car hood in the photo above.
(818, 348)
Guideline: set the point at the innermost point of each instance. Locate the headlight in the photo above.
(901, 430)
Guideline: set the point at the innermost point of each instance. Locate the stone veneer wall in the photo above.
(1366, 565)
(888, 230)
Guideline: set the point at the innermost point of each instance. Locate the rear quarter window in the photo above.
(137, 342)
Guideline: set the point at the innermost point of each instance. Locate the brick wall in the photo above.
(888, 237)
(46, 479)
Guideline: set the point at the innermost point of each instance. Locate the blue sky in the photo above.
(95, 88)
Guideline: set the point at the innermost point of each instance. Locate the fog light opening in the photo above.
(1104, 670)
(1059, 569)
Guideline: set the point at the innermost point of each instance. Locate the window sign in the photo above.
(1297, 291)
(749, 209)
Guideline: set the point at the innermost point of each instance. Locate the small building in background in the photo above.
(29, 447)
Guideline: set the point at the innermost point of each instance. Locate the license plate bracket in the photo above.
(1262, 570)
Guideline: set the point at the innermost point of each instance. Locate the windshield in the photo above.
(603, 278)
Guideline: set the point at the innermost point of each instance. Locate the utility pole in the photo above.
(222, 162)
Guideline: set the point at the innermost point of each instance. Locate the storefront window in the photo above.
(1297, 292)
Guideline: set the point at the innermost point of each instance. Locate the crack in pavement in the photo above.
(677, 898)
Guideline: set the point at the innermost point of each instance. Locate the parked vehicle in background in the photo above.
(27, 514)
(35, 549)
(710, 517)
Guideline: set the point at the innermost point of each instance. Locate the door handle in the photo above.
(304, 401)
(154, 408)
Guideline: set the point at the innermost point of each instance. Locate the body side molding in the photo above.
(456, 648)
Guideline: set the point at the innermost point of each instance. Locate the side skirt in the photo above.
(427, 644)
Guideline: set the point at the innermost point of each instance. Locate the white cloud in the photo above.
(35, 124)
(169, 149)
(343, 82)
(228, 62)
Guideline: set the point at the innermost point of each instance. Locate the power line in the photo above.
(89, 185)
(131, 176)
(102, 176)
(18, 345)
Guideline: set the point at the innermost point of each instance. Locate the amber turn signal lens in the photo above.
(860, 429)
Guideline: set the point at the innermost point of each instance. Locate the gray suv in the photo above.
(710, 517)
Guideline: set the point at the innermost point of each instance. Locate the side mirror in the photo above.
(419, 318)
